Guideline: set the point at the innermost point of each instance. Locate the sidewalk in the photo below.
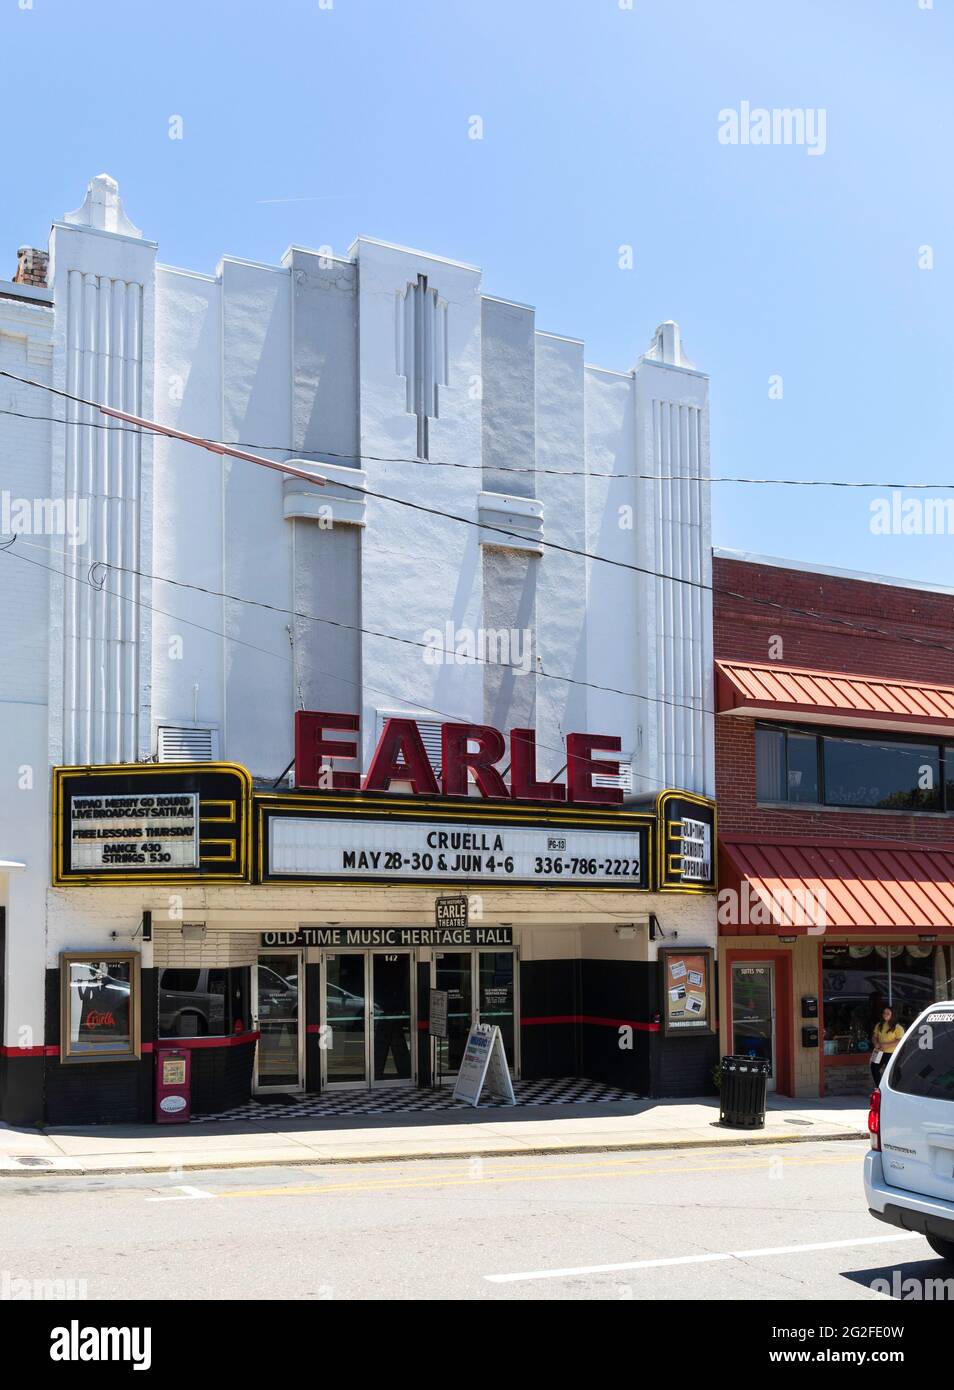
(81, 1151)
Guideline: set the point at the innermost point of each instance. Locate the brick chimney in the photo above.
(32, 266)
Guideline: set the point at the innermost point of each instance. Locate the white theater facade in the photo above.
(274, 718)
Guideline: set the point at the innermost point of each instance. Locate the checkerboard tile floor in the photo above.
(566, 1090)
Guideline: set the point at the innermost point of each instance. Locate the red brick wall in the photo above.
(743, 631)
(32, 267)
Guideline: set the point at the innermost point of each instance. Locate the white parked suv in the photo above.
(909, 1171)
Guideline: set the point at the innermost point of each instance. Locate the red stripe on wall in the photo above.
(592, 1019)
(233, 1040)
(50, 1050)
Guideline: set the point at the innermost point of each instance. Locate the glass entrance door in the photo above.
(367, 1015)
(495, 996)
(480, 989)
(453, 971)
(391, 1035)
(344, 1017)
(278, 992)
(753, 1013)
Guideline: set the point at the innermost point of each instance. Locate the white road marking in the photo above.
(699, 1259)
(191, 1195)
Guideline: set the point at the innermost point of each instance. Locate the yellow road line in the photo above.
(611, 1168)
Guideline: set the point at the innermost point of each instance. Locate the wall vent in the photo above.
(186, 743)
(430, 731)
(624, 780)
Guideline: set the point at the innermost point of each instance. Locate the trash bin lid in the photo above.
(736, 1062)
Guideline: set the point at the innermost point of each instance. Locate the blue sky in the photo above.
(600, 130)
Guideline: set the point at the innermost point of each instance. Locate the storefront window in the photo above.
(99, 1006)
(207, 1002)
(786, 766)
(833, 770)
(859, 981)
(888, 776)
(770, 765)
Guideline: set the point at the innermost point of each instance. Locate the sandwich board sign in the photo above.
(484, 1064)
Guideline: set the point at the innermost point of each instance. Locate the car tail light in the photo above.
(874, 1119)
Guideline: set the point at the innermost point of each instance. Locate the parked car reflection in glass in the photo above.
(277, 994)
(196, 1003)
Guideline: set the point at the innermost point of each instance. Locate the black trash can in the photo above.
(742, 1093)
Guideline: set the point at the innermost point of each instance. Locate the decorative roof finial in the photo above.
(103, 209)
(667, 347)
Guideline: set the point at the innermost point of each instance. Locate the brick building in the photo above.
(835, 789)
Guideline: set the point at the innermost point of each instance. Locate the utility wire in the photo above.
(233, 451)
(374, 632)
(321, 454)
(414, 704)
(912, 750)
(776, 724)
(868, 628)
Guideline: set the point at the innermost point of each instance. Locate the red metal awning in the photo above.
(866, 887)
(831, 697)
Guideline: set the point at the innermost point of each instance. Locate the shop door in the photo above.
(344, 1057)
(278, 990)
(367, 1015)
(481, 988)
(753, 1013)
(391, 1041)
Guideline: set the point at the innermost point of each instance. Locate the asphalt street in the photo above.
(784, 1221)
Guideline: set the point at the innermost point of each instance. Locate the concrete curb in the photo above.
(339, 1160)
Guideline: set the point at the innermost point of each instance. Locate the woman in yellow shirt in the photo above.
(887, 1034)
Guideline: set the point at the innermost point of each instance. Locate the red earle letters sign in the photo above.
(401, 757)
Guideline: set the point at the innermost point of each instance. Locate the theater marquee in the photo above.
(686, 842)
(405, 840)
(180, 823)
(150, 823)
(317, 849)
(132, 831)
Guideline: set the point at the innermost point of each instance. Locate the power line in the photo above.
(414, 704)
(387, 636)
(394, 637)
(213, 446)
(493, 529)
(321, 454)
(350, 487)
(359, 685)
(910, 750)
(786, 726)
(777, 724)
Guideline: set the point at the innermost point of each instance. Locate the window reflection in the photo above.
(206, 1002)
(875, 773)
(859, 981)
